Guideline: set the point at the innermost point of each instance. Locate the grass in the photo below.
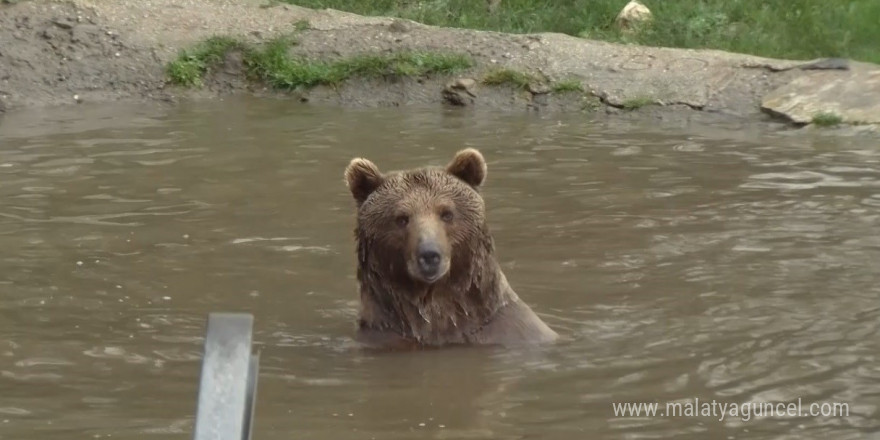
(796, 29)
(567, 85)
(507, 76)
(191, 65)
(522, 80)
(273, 64)
(827, 119)
(637, 103)
(302, 25)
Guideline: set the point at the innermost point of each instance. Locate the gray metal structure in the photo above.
(228, 382)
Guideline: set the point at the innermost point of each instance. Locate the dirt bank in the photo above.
(54, 52)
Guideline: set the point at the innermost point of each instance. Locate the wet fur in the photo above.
(473, 303)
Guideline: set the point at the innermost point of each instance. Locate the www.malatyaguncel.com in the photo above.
(721, 410)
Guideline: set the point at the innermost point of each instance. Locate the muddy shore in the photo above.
(66, 52)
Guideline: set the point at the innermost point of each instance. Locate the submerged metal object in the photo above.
(228, 381)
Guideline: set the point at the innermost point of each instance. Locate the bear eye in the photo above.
(446, 215)
(402, 220)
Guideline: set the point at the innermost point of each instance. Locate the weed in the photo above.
(508, 76)
(273, 64)
(571, 85)
(827, 119)
(190, 66)
(302, 25)
(637, 103)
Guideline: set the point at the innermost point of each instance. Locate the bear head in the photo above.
(422, 227)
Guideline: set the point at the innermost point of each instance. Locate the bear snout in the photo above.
(431, 263)
(429, 258)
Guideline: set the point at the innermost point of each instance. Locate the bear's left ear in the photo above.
(469, 166)
(362, 178)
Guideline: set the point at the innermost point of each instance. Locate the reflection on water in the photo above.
(678, 263)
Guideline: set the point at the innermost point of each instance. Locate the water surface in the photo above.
(678, 262)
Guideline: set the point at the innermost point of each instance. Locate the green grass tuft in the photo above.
(827, 119)
(637, 103)
(404, 64)
(190, 66)
(797, 29)
(273, 64)
(570, 85)
(302, 25)
(507, 76)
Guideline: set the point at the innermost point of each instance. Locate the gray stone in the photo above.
(538, 88)
(459, 92)
(852, 94)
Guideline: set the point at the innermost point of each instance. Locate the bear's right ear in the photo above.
(362, 178)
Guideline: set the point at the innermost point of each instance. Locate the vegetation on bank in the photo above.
(827, 119)
(273, 64)
(637, 103)
(567, 85)
(191, 65)
(508, 76)
(795, 29)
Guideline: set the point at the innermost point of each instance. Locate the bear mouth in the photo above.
(428, 275)
(432, 277)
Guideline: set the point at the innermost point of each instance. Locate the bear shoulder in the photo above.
(516, 323)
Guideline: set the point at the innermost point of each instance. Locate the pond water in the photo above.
(678, 262)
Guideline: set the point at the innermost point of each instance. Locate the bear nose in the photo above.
(429, 258)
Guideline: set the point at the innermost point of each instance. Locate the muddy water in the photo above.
(679, 263)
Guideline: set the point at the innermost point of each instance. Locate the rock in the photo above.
(85, 33)
(827, 64)
(850, 94)
(398, 26)
(63, 23)
(633, 15)
(463, 84)
(538, 89)
(460, 92)
(820, 64)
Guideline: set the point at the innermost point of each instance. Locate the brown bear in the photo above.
(426, 266)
